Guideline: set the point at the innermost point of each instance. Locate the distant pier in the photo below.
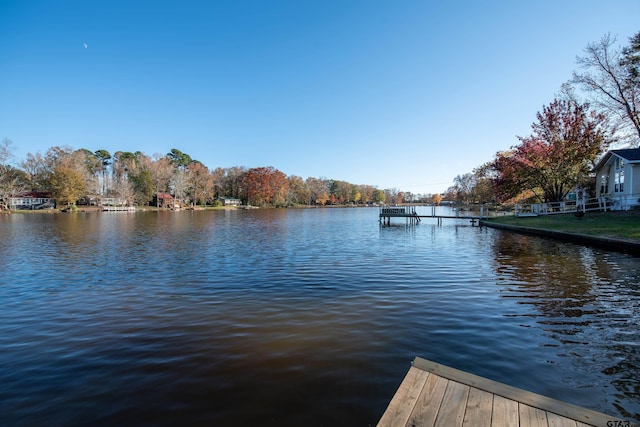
(407, 212)
(412, 217)
(119, 208)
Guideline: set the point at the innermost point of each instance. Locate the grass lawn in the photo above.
(621, 225)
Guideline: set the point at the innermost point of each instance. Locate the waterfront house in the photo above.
(88, 200)
(618, 178)
(230, 201)
(32, 200)
(113, 201)
(163, 200)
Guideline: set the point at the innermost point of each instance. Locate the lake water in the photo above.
(297, 317)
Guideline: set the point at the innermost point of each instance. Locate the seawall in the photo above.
(620, 245)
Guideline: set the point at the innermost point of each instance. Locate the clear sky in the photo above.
(398, 94)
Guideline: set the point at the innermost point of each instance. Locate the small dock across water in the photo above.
(411, 216)
(119, 208)
(436, 395)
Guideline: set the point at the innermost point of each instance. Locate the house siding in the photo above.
(635, 182)
(31, 201)
(623, 196)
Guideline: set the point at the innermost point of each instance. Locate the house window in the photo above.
(619, 176)
(604, 184)
(619, 182)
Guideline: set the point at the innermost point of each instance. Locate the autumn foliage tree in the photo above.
(557, 157)
(378, 196)
(298, 191)
(267, 185)
(319, 190)
(135, 177)
(197, 177)
(67, 185)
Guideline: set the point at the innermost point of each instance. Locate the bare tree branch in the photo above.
(612, 84)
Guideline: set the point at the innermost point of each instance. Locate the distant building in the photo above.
(230, 201)
(618, 178)
(113, 201)
(163, 200)
(88, 200)
(32, 200)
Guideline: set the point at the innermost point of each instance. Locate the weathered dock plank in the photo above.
(504, 412)
(479, 408)
(426, 409)
(437, 395)
(532, 417)
(558, 421)
(453, 405)
(403, 403)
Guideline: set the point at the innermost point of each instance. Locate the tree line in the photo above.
(71, 175)
(569, 134)
(559, 156)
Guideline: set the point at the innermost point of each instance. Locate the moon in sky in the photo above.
(85, 45)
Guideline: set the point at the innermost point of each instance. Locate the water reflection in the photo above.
(586, 300)
(290, 317)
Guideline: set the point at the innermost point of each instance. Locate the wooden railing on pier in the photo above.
(478, 212)
(579, 205)
(407, 212)
(412, 217)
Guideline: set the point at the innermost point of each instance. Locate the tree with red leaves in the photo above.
(267, 185)
(557, 157)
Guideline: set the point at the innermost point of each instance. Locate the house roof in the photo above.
(33, 195)
(631, 155)
(164, 196)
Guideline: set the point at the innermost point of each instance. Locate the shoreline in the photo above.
(613, 244)
(93, 209)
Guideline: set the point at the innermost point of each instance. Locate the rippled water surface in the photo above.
(296, 317)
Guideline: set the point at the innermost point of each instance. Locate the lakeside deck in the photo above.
(436, 395)
(118, 208)
(412, 217)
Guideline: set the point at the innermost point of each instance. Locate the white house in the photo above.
(230, 201)
(32, 200)
(113, 201)
(618, 178)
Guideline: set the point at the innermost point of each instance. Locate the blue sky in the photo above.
(398, 94)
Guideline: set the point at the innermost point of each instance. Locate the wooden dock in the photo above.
(435, 395)
(118, 208)
(412, 217)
